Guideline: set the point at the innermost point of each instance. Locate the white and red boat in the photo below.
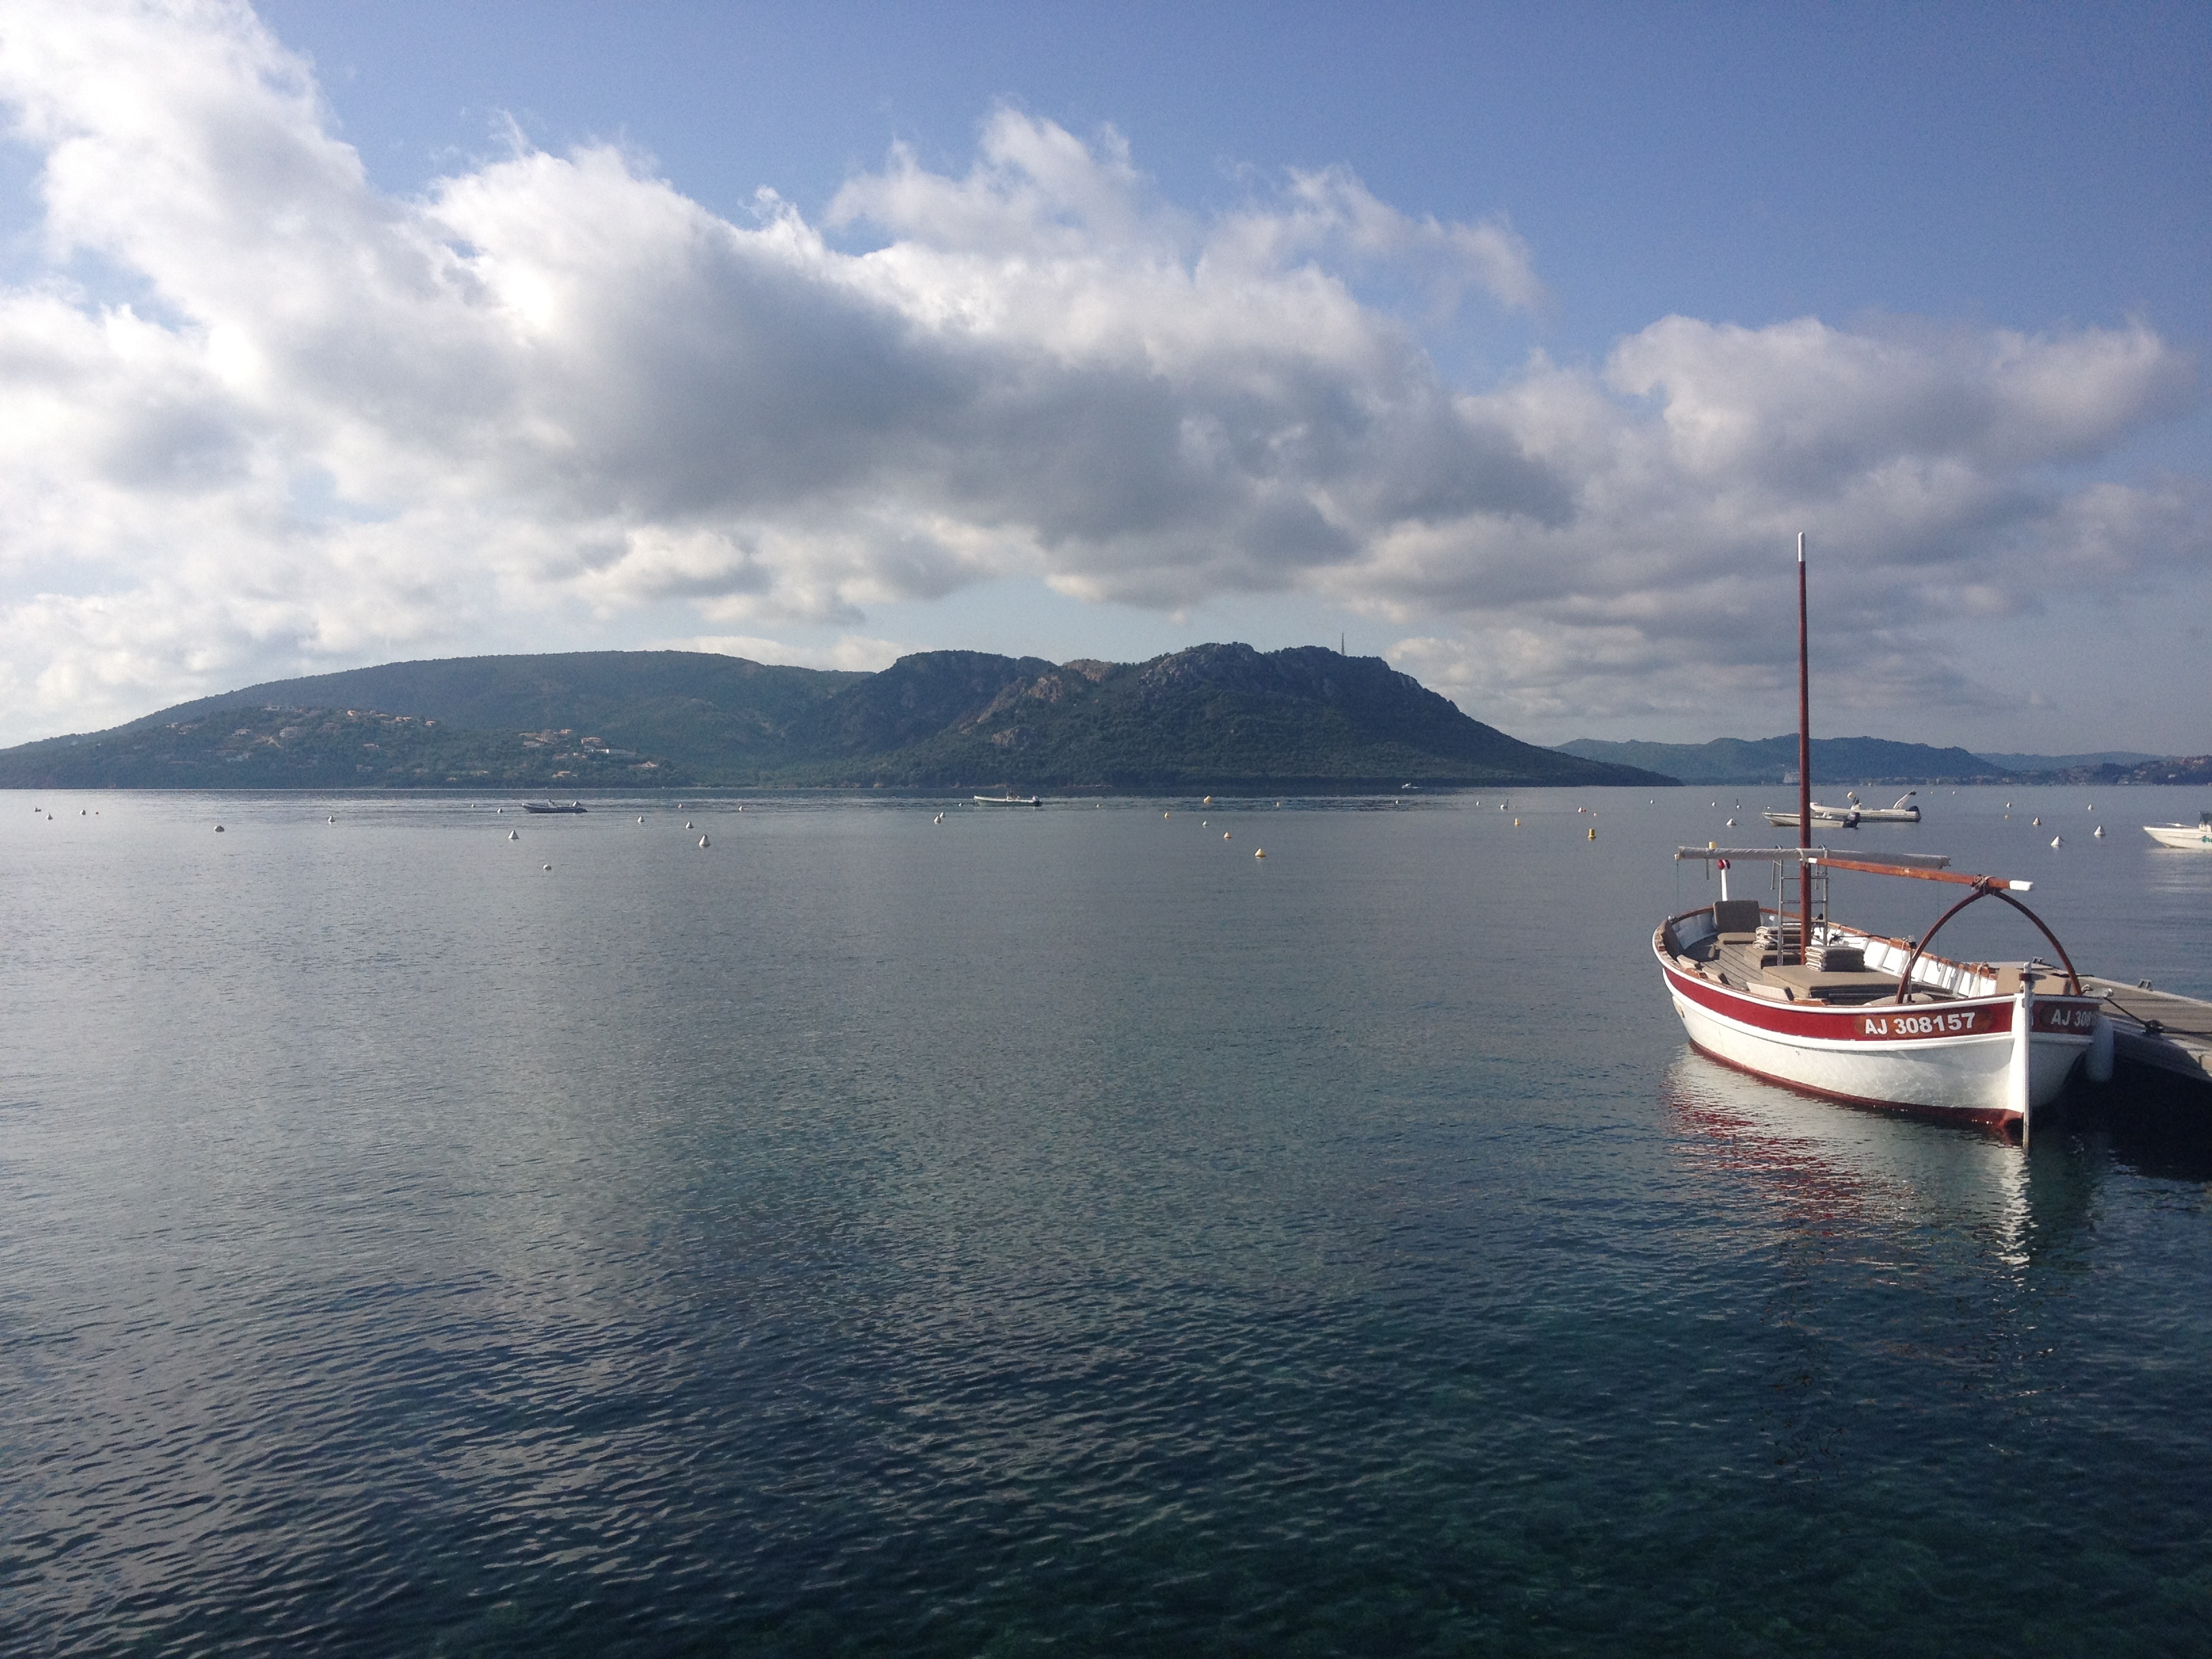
(1790, 994)
(1868, 1018)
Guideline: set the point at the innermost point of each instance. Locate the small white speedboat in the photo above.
(1904, 812)
(1843, 818)
(2197, 837)
(1008, 800)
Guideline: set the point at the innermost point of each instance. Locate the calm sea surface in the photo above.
(1051, 1232)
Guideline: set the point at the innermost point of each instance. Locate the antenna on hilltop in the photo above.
(1340, 645)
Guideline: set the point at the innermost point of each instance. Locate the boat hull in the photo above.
(1823, 817)
(2194, 837)
(1951, 1059)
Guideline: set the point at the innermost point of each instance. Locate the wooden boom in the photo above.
(1958, 876)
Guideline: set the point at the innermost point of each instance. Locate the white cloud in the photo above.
(853, 653)
(257, 417)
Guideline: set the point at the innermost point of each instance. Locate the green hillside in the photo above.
(1768, 760)
(1216, 716)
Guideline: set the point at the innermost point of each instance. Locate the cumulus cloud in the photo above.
(855, 653)
(259, 417)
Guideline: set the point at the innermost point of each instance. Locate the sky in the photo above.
(1515, 344)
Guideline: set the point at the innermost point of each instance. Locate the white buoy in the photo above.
(702, 841)
(640, 817)
(218, 829)
(2098, 833)
(2058, 840)
(2036, 823)
(548, 866)
(334, 818)
(514, 835)
(1731, 823)
(688, 825)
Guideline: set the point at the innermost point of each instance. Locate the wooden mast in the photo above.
(1804, 774)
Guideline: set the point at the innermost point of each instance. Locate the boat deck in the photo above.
(2157, 1028)
(1749, 962)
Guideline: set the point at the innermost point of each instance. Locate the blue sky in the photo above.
(1509, 343)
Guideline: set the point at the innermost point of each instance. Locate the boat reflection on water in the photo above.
(1896, 1283)
(1840, 1170)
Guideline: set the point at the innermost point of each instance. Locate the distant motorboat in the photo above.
(1846, 818)
(554, 806)
(1853, 813)
(1904, 812)
(1009, 800)
(2195, 838)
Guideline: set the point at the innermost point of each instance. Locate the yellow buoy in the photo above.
(1517, 824)
(1593, 834)
(1224, 835)
(1259, 852)
(1208, 801)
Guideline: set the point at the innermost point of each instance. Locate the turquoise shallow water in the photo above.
(1046, 1232)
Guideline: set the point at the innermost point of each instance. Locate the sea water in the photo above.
(1054, 1232)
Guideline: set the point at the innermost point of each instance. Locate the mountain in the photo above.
(1877, 761)
(1768, 760)
(2167, 768)
(2120, 758)
(1215, 716)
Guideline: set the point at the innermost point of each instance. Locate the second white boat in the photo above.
(2197, 837)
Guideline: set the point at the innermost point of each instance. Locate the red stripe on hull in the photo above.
(1878, 1023)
